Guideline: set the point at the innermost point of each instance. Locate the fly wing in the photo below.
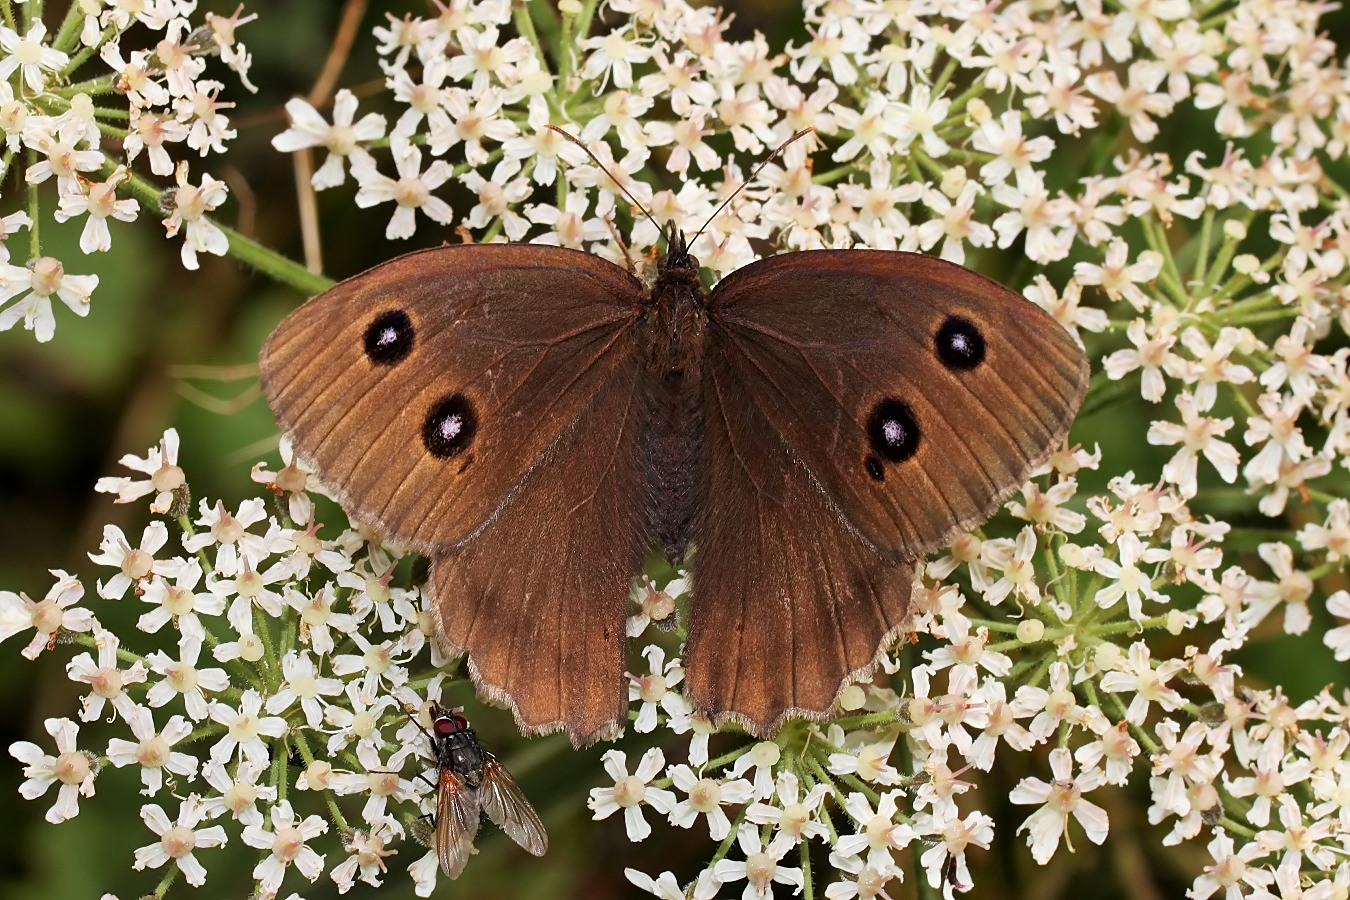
(456, 822)
(505, 804)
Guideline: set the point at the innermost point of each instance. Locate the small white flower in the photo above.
(631, 791)
(30, 55)
(411, 191)
(1062, 798)
(878, 830)
(239, 794)
(98, 200)
(762, 865)
(288, 842)
(153, 750)
(1128, 579)
(178, 840)
(1232, 870)
(42, 278)
(191, 203)
(161, 464)
(366, 853)
(797, 816)
(706, 797)
(655, 689)
(74, 768)
(246, 728)
(181, 677)
(107, 682)
(342, 139)
(137, 564)
(48, 616)
(1197, 434)
(62, 156)
(179, 602)
(303, 684)
(1148, 684)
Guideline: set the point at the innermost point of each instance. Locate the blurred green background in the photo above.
(160, 339)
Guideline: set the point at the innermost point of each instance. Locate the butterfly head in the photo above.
(676, 264)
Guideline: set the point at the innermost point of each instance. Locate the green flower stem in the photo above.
(246, 250)
(277, 776)
(69, 32)
(272, 672)
(1325, 497)
(1240, 311)
(94, 87)
(34, 213)
(853, 781)
(208, 730)
(8, 11)
(1229, 248)
(804, 854)
(86, 53)
(725, 847)
(833, 175)
(1170, 278)
(1202, 248)
(170, 876)
(1104, 393)
(574, 28)
(959, 104)
(308, 756)
(868, 721)
(523, 17)
(940, 83)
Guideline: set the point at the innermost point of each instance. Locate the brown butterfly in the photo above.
(531, 418)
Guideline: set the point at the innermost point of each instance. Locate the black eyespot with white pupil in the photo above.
(960, 345)
(450, 427)
(893, 433)
(389, 338)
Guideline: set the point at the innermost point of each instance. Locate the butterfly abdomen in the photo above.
(672, 444)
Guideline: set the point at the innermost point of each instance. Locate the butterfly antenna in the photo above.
(595, 159)
(753, 175)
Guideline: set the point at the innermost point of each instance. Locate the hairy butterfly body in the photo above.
(531, 418)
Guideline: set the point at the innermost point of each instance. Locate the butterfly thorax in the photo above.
(676, 309)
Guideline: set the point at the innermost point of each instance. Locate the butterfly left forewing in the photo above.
(506, 342)
(505, 805)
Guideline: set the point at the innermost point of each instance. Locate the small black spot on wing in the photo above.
(893, 431)
(873, 467)
(450, 427)
(389, 338)
(960, 345)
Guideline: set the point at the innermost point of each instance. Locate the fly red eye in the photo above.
(451, 724)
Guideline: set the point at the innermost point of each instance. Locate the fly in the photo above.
(470, 782)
